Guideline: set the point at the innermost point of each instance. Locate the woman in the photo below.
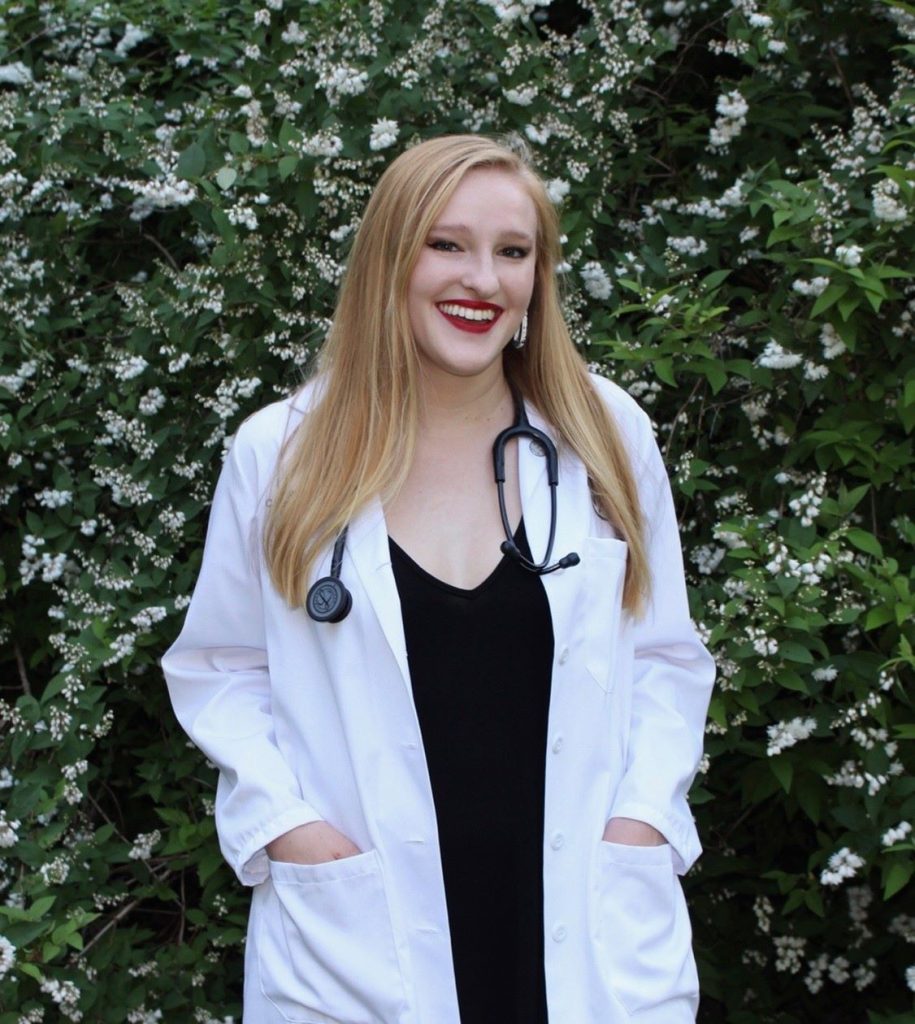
(458, 787)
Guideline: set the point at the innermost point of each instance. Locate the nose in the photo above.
(479, 275)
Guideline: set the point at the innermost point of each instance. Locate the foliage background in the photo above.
(178, 183)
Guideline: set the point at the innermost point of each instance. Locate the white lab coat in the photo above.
(312, 721)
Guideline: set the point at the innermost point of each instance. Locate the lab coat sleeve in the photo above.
(219, 680)
(672, 678)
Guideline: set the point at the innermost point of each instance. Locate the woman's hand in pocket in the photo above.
(629, 832)
(314, 843)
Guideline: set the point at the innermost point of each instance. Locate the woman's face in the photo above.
(475, 274)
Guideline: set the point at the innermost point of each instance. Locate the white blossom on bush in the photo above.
(557, 189)
(783, 735)
(776, 358)
(886, 206)
(384, 134)
(897, 834)
(7, 955)
(597, 284)
(521, 97)
(843, 864)
(143, 845)
(732, 108)
(15, 74)
(850, 255)
(816, 286)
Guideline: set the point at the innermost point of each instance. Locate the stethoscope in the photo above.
(328, 599)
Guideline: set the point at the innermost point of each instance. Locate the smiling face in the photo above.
(475, 274)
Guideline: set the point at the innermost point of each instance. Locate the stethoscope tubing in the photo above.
(328, 599)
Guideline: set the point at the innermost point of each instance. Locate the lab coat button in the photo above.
(563, 655)
(557, 840)
(559, 932)
(557, 744)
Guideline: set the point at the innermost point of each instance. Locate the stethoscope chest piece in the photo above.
(328, 599)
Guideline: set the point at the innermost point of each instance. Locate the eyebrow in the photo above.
(522, 236)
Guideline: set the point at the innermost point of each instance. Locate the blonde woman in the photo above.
(455, 717)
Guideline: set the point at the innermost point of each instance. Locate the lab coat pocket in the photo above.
(643, 929)
(326, 948)
(605, 570)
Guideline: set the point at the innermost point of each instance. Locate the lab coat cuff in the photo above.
(251, 865)
(679, 832)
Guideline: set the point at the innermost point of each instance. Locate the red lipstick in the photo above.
(471, 326)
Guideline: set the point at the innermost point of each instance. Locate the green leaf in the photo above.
(192, 162)
(664, 369)
(897, 877)
(287, 166)
(783, 770)
(832, 295)
(865, 541)
(226, 177)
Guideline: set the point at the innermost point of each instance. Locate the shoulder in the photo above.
(630, 418)
(255, 447)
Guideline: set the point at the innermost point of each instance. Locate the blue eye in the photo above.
(443, 245)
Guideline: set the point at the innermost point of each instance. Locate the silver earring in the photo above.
(519, 338)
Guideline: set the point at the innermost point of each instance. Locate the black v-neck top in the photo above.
(480, 665)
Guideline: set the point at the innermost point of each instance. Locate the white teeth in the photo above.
(466, 313)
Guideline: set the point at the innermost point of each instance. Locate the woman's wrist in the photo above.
(630, 832)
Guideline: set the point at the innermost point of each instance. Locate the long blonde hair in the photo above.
(357, 441)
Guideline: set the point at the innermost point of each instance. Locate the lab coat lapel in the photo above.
(367, 547)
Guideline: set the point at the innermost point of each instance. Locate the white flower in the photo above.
(54, 872)
(850, 255)
(597, 283)
(323, 144)
(7, 955)
(776, 358)
(886, 207)
(151, 402)
(9, 830)
(242, 91)
(688, 245)
(132, 37)
(825, 674)
(814, 287)
(293, 33)
(783, 735)
(897, 834)
(15, 74)
(522, 97)
(832, 344)
(910, 977)
(384, 134)
(143, 845)
(343, 80)
(758, 20)
(733, 110)
(777, 46)
(539, 135)
(674, 7)
(843, 864)
(557, 189)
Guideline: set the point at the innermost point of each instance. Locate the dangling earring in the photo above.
(519, 338)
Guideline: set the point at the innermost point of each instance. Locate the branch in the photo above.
(23, 675)
(162, 249)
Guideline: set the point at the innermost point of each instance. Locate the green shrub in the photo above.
(178, 184)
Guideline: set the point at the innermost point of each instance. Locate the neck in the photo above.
(449, 401)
